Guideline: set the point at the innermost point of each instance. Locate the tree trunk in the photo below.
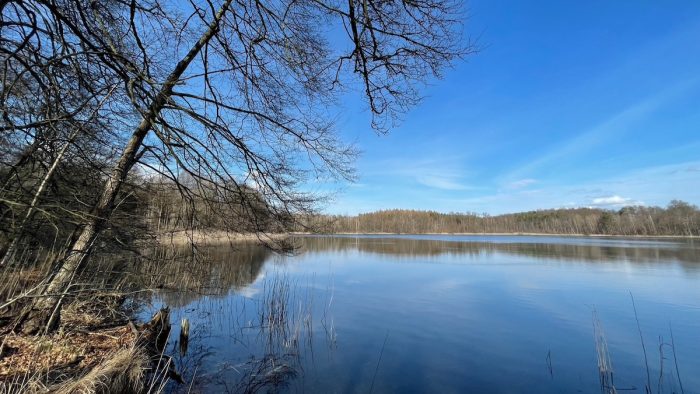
(45, 312)
(11, 250)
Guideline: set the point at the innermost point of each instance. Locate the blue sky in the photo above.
(568, 104)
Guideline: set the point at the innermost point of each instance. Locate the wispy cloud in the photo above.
(441, 182)
(445, 173)
(616, 125)
(655, 185)
(614, 201)
(357, 185)
(521, 183)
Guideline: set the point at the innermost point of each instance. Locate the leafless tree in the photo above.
(678, 218)
(239, 96)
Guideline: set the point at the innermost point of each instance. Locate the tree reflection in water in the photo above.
(268, 316)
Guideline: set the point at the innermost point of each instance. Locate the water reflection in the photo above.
(429, 314)
(258, 342)
(186, 274)
(581, 249)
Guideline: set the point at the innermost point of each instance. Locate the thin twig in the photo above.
(641, 338)
(378, 361)
(675, 360)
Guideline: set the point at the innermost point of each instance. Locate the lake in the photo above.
(444, 314)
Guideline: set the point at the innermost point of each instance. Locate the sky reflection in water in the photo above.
(502, 314)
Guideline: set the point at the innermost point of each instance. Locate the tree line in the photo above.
(151, 205)
(678, 218)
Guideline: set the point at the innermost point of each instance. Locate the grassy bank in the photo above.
(96, 350)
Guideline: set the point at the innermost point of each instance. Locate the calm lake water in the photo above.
(443, 314)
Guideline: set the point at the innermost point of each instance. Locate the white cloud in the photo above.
(614, 201)
(650, 186)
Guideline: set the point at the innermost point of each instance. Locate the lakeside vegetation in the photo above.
(677, 219)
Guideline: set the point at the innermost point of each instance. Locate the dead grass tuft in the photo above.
(122, 371)
(62, 352)
(93, 356)
(95, 312)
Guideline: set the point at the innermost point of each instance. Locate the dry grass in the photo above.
(94, 312)
(605, 369)
(215, 237)
(93, 356)
(15, 282)
(667, 378)
(61, 354)
(121, 371)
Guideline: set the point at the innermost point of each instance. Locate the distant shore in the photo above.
(217, 237)
(519, 234)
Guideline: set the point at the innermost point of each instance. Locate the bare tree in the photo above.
(238, 95)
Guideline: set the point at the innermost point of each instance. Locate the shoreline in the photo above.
(512, 234)
(215, 237)
(218, 237)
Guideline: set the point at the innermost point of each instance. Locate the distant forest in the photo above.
(151, 205)
(678, 218)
